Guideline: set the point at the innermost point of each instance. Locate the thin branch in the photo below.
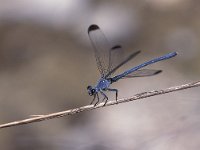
(38, 118)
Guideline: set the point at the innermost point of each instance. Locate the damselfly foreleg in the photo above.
(93, 99)
(97, 99)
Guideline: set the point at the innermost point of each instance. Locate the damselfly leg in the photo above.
(116, 92)
(104, 97)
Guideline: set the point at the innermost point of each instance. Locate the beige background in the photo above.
(47, 61)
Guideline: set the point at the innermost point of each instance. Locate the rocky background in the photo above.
(47, 61)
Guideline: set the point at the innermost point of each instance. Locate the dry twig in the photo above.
(37, 118)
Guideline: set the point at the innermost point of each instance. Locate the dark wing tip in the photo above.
(93, 27)
(157, 72)
(116, 47)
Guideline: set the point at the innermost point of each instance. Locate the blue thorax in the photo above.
(102, 84)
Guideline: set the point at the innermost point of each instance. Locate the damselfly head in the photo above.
(91, 91)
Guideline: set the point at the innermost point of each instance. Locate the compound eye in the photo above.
(89, 87)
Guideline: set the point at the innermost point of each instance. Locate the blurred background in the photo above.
(47, 61)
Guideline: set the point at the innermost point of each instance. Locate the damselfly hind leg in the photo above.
(116, 92)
